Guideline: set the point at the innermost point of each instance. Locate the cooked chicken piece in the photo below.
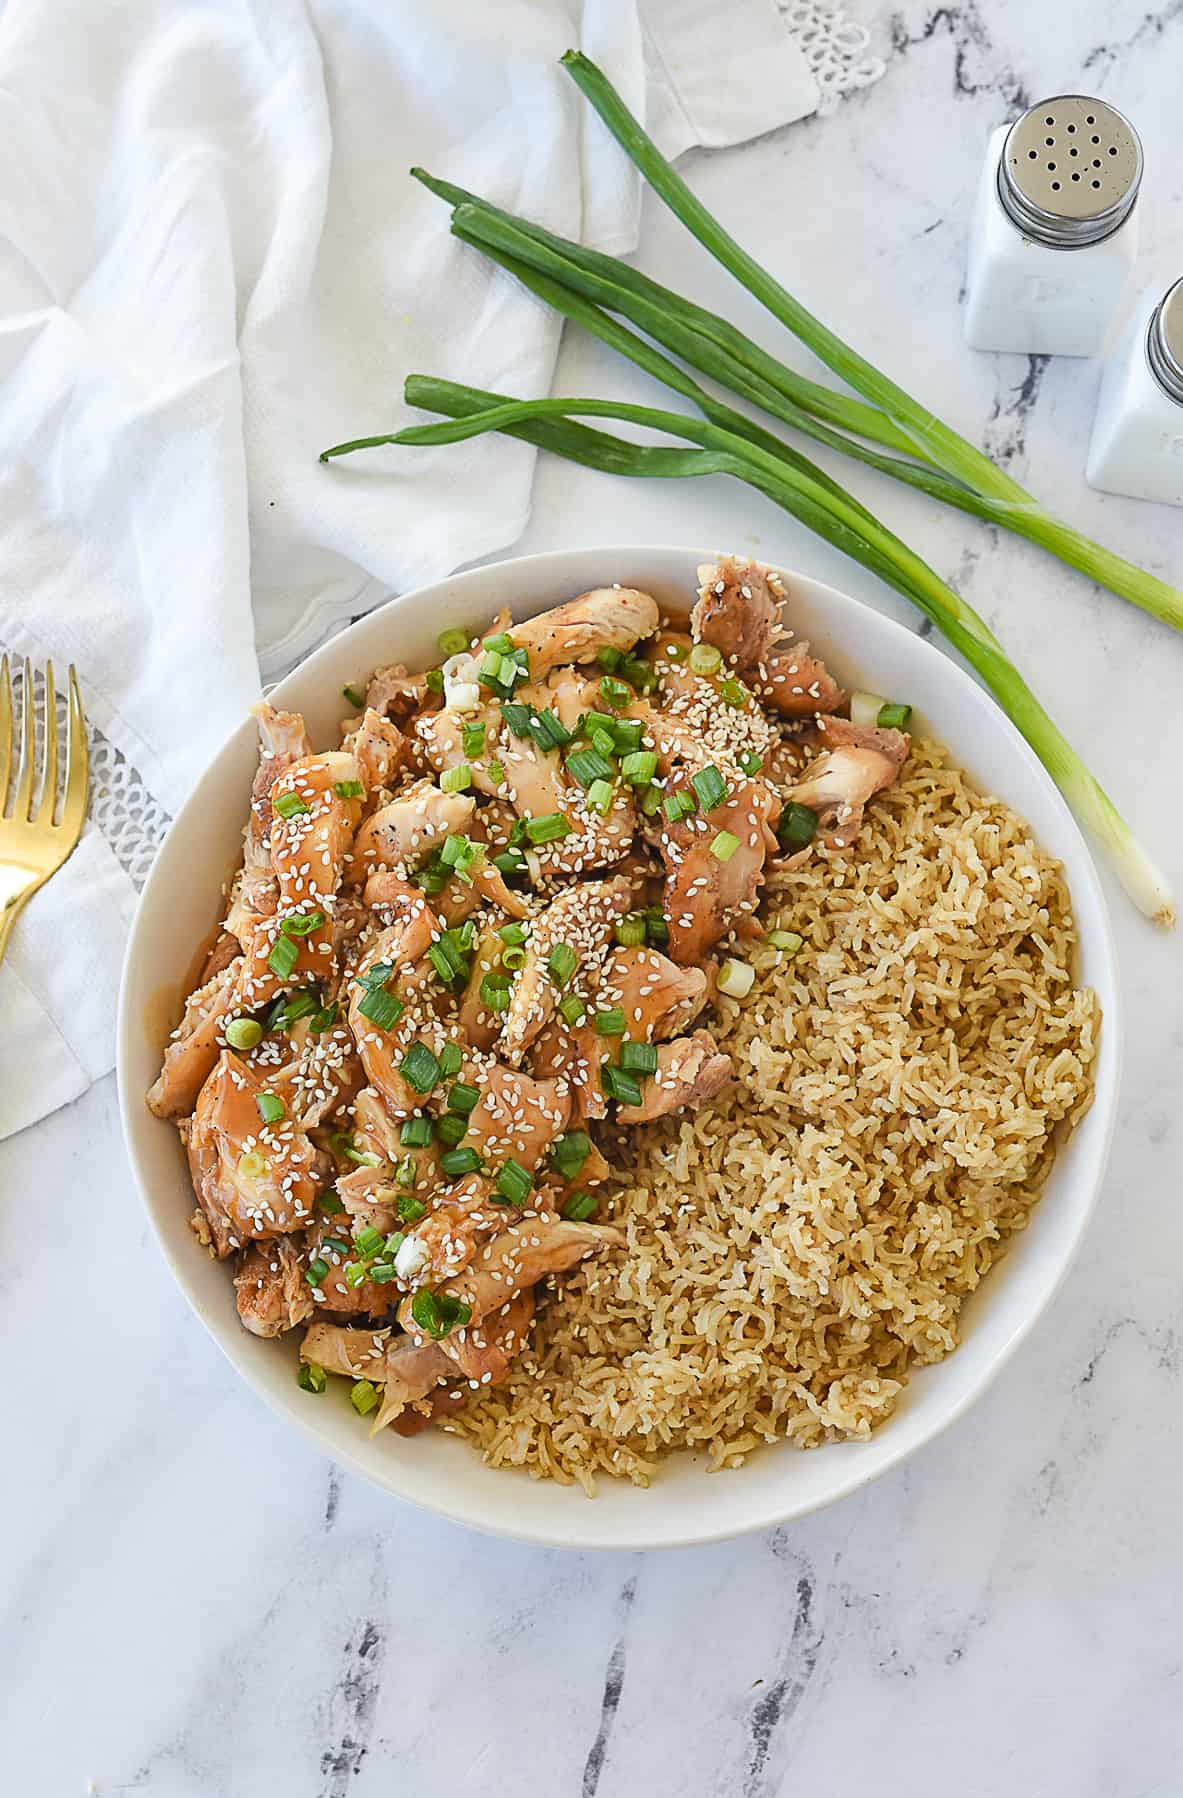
(441, 736)
(521, 1255)
(252, 1179)
(739, 611)
(375, 1132)
(485, 885)
(226, 949)
(564, 691)
(460, 1219)
(193, 1047)
(671, 665)
(368, 1198)
(331, 1242)
(861, 761)
(605, 618)
(382, 1048)
(323, 1074)
(704, 895)
(345, 1349)
(516, 1117)
(482, 1352)
(270, 1289)
(795, 683)
(689, 1072)
(379, 748)
(537, 785)
(658, 999)
(480, 1025)
(583, 917)
(397, 694)
(387, 891)
(307, 852)
(403, 833)
(284, 740)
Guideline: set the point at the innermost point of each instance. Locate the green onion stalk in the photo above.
(818, 503)
(946, 466)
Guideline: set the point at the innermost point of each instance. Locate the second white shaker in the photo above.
(1055, 229)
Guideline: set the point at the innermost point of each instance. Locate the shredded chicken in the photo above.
(466, 937)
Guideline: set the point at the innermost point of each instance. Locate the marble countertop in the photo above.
(197, 1605)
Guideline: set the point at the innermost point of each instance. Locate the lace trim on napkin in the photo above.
(834, 46)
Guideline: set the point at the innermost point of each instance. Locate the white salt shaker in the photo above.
(1137, 441)
(1055, 232)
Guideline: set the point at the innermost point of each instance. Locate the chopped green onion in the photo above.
(419, 1068)
(438, 1312)
(243, 1033)
(367, 1242)
(561, 963)
(513, 959)
(750, 762)
(394, 1243)
(710, 786)
(611, 1022)
(433, 680)
(650, 802)
(494, 996)
(331, 1246)
(724, 846)
(410, 1209)
(609, 659)
(736, 978)
(513, 934)
(317, 1272)
(324, 1019)
(453, 850)
(252, 1165)
(291, 1008)
(894, 717)
(329, 1203)
(502, 643)
(510, 863)
(383, 1271)
(452, 1129)
(657, 931)
(679, 805)
(588, 765)
(627, 734)
(630, 931)
(381, 1008)
(355, 696)
(602, 741)
(452, 643)
(548, 730)
(301, 923)
(495, 671)
(570, 1151)
(451, 1059)
(579, 1207)
(311, 1377)
(517, 718)
(620, 1085)
(355, 1273)
(283, 957)
(787, 941)
(733, 693)
(797, 826)
(572, 1009)
(638, 1058)
(599, 797)
(457, 779)
(448, 963)
(496, 772)
(416, 1132)
(460, 1161)
(614, 692)
(549, 829)
(638, 674)
(271, 1107)
(473, 738)
(514, 1182)
(290, 805)
(640, 767)
(865, 708)
(433, 879)
(349, 789)
(705, 658)
(464, 1098)
(364, 1397)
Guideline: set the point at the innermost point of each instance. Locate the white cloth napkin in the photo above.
(212, 264)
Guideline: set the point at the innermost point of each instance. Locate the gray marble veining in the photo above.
(196, 1605)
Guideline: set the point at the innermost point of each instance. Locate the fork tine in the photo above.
(49, 772)
(5, 731)
(77, 763)
(24, 767)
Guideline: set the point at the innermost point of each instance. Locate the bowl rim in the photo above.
(1101, 945)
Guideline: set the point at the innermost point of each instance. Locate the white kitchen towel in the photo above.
(212, 264)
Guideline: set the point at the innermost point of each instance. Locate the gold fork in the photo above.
(32, 844)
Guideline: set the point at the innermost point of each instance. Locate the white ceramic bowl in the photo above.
(181, 901)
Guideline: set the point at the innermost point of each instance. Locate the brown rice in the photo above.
(797, 1246)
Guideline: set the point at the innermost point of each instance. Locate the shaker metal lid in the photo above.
(1164, 342)
(1070, 170)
